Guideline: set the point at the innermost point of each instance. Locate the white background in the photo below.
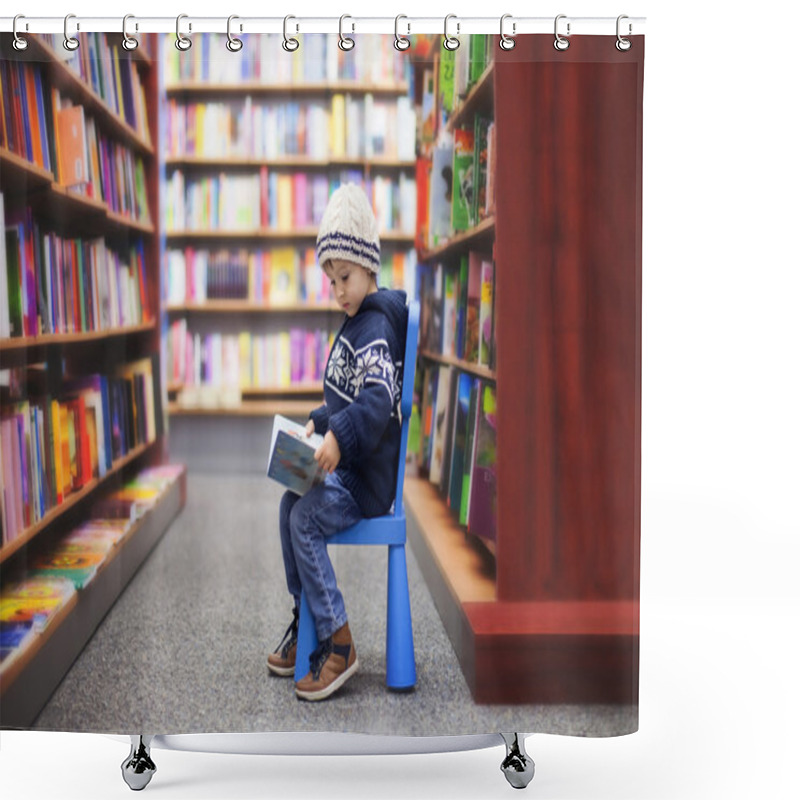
(720, 553)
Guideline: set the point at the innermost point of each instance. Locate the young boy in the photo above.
(360, 422)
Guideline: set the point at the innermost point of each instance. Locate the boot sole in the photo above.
(284, 672)
(321, 694)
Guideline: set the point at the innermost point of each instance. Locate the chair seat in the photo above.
(374, 530)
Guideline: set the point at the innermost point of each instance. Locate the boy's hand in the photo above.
(309, 427)
(328, 453)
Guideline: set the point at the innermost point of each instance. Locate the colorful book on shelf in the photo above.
(485, 318)
(441, 194)
(441, 423)
(473, 308)
(34, 599)
(427, 412)
(463, 179)
(72, 142)
(73, 562)
(459, 441)
(291, 456)
(482, 520)
(469, 451)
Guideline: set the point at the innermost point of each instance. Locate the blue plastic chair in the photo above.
(390, 529)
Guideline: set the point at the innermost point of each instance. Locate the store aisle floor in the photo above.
(184, 648)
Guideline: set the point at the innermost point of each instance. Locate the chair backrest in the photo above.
(407, 397)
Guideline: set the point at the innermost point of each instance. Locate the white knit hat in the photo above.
(349, 230)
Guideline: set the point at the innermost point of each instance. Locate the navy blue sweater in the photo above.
(362, 398)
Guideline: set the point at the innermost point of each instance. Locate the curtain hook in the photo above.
(233, 44)
(451, 42)
(561, 43)
(623, 44)
(182, 42)
(506, 42)
(70, 42)
(19, 43)
(128, 42)
(401, 42)
(290, 45)
(345, 43)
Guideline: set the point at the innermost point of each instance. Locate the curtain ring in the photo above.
(289, 44)
(561, 43)
(128, 42)
(623, 45)
(182, 42)
(19, 43)
(401, 42)
(506, 42)
(345, 42)
(233, 44)
(451, 42)
(70, 42)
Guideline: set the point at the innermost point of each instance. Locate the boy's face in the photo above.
(350, 284)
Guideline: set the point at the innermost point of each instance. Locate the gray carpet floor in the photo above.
(184, 648)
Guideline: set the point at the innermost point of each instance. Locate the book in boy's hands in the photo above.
(291, 456)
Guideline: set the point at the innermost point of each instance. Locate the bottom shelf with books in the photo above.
(28, 678)
(556, 651)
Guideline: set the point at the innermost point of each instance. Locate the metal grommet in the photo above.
(345, 42)
(507, 43)
(289, 44)
(451, 42)
(623, 45)
(70, 42)
(401, 42)
(128, 42)
(561, 43)
(182, 42)
(233, 44)
(19, 43)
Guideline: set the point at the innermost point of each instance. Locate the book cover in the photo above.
(459, 447)
(440, 423)
(291, 456)
(463, 178)
(482, 519)
(72, 143)
(441, 194)
(485, 325)
(469, 451)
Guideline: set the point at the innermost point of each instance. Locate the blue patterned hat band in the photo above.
(348, 229)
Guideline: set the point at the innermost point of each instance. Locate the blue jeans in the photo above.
(305, 522)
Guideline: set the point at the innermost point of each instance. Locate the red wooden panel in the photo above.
(568, 319)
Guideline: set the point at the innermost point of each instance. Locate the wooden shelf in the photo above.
(470, 367)
(28, 682)
(284, 162)
(23, 343)
(247, 307)
(71, 500)
(252, 408)
(17, 175)
(244, 88)
(480, 99)
(479, 236)
(271, 234)
(297, 390)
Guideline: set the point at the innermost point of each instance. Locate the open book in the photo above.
(291, 456)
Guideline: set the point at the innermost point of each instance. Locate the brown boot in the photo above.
(281, 662)
(332, 663)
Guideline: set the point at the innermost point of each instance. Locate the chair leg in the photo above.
(306, 640)
(401, 671)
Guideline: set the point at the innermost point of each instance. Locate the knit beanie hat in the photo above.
(348, 229)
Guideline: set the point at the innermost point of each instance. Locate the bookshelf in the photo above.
(81, 404)
(264, 137)
(546, 610)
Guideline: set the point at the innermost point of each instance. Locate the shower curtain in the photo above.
(161, 302)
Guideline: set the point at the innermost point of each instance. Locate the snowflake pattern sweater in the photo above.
(362, 398)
